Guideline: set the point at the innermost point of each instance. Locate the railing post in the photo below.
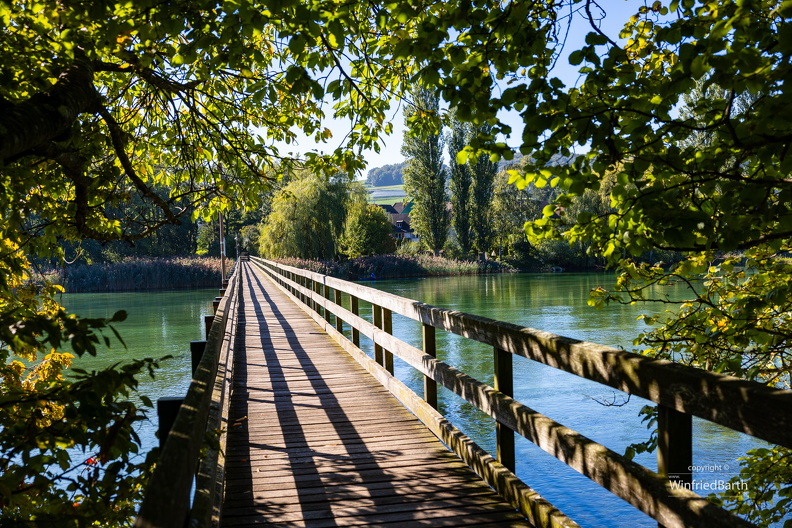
(196, 353)
(387, 326)
(354, 307)
(315, 289)
(504, 382)
(338, 322)
(378, 323)
(326, 295)
(674, 444)
(430, 348)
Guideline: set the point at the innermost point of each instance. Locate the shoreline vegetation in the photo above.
(180, 273)
(139, 274)
(397, 267)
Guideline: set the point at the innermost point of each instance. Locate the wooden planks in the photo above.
(315, 441)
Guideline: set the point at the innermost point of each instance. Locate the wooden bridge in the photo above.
(288, 423)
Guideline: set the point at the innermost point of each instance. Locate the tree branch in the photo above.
(116, 136)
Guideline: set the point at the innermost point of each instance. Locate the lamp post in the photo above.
(236, 239)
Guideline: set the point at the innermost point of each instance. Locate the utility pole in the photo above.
(222, 248)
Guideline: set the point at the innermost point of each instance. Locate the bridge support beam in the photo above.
(167, 409)
(354, 307)
(196, 353)
(208, 319)
(339, 324)
(387, 326)
(377, 311)
(326, 295)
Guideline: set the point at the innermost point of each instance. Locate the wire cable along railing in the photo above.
(680, 392)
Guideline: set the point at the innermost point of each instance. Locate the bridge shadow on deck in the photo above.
(309, 445)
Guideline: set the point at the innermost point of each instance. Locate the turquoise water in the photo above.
(163, 323)
(554, 303)
(159, 324)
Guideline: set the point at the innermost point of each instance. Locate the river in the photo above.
(159, 323)
(163, 323)
(556, 303)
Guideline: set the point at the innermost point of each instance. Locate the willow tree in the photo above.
(307, 218)
(424, 173)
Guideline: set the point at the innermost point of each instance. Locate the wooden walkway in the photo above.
(315, 441)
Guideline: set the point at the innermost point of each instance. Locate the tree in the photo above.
(511, 209)
(367, 231)
(386, 175)
(102, 105)
(711, 181)
(307, 218)
(102, 101)
(460, 186)
(483, 171)
(248, 239)
(424, 174)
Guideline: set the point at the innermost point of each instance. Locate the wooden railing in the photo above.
(182, 467)
(680, 392)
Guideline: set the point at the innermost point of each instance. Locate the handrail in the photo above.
(166, 502)
(679, 390)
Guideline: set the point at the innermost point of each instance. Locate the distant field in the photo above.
(387, 188)
(386, 195)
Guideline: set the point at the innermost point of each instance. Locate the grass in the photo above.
(388, 200)
(387, 195)
(388, 188)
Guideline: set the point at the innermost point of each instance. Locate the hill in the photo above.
(386, 175)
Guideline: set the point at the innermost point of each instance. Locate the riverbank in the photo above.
(140, 274)
(397, 267)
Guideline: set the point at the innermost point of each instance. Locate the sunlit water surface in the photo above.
(163, 323)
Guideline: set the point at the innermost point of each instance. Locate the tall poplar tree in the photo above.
(424, 174)
(483, 172)
(460, 186)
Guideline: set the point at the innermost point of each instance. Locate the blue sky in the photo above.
(617, 12)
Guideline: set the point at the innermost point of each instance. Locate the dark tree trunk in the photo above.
(47, 115)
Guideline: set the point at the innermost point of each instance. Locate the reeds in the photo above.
(397, 266)
(135, 274)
